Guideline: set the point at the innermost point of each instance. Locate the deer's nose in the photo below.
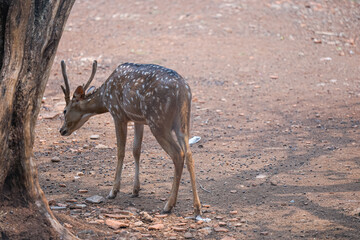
(63, 132)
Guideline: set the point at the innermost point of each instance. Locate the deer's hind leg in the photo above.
(183, 139)
(138, 136)
(170, 146)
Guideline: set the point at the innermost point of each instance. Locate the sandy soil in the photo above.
(276, 89)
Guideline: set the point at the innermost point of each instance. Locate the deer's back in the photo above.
(147, 92)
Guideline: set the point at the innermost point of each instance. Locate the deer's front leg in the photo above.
(139, 130)
(121, 131)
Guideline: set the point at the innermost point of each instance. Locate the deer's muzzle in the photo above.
(63, 131)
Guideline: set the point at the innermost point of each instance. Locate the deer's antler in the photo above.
(66, 90)
(94, 67)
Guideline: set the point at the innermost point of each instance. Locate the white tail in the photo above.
(145, 94)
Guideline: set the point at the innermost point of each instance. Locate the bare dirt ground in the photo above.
(276, 89)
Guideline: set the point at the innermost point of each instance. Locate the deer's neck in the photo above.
(94, 104)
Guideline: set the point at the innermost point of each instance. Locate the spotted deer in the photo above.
(145, 94)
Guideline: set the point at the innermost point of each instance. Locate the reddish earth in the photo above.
(276, 90)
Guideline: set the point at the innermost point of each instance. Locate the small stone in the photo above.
(179, 229)
(57, 208)
(55, 159)
(138, 229)
(97, 221)
(222, 224)
(233, 212)
(156, 227)
(219, 217)
(116, 216)
(138, 224)
(161, 216)
(194, 140)
(188, 235)
(180, 224)
(228, 238)
(62, 185)
(123, 212)
(146, 217)
(71, 200)
(264, 233)
(135, 235)
(80, 174)
(73, 150)
(94, 137)
(220, 229)
(62, 204)
(273, 183)
(131, 210)
(228, 29)
(325, 59)
(233, 191)
(261, 176)
(101, 146)
(205, 231)
(80, 206)
(95, 199)
(206, 206)
(83, 191)
(75, 211)
(114, 224)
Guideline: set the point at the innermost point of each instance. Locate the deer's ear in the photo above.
(79, 93)
(90, 90)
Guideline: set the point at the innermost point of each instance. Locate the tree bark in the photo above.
(29, 35)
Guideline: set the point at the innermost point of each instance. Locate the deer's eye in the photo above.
(64, 112)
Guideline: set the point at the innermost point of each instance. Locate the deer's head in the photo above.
(75, 113)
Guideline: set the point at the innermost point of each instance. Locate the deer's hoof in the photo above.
(167, 208)
(166, 211)
(134, 195)
(111, 195)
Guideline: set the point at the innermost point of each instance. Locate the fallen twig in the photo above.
(203, 187)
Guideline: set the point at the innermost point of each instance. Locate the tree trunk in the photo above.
(29, 35)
